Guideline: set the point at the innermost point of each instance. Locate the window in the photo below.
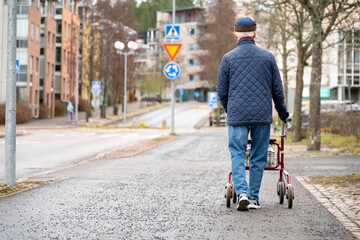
(48, 39)
(32, 31)
(53, 40)
(31, 64)
(58, 26)
(191, 77)
(37, 65)
(22, 28)
(192, 31)
(21, 43)
(192, 47)
(48, 70)
(191, 62)
(37, 33)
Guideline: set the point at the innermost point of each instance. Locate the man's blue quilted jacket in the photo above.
(248, 80)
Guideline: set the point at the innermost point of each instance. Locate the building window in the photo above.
(58, 26)
(192, 47)
(48, 39)
(32, 31)
(31, 64)
(191, 77)
(191, 62)
(37, 65)
(53, 41)
(21, 43)
(352, 58)
(37, 33)
(192, 31)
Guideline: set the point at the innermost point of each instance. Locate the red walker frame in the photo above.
(281, 190)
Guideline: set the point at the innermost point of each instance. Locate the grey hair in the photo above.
(244, 34)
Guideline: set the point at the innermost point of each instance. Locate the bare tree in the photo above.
(324, 16)
(216, 39)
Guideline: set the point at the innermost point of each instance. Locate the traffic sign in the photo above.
(196, 94)
(17, 65)
(96, 85)
(213, 99)
(96, 92)
(95, 103)
(172, 70)
(172, 32)
(172, 49)
(181, 89)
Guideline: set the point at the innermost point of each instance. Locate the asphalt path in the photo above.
(43, 150)
(174, 191)
(187, 116)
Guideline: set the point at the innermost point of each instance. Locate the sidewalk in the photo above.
(133, 109)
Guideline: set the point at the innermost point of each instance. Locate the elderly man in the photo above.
(248, 80)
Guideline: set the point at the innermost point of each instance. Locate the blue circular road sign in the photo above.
(172, 70)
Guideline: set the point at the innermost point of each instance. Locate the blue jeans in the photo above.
(238, 139)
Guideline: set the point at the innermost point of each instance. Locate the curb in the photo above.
(323, 197)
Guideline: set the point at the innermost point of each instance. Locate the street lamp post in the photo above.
(119, 46)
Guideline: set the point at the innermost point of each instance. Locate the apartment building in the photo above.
(28, 54)
(47, 56)
(67, 25)
(189, 19)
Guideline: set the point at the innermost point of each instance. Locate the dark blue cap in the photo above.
(245, 24)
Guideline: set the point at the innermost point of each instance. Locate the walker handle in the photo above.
(283, 132)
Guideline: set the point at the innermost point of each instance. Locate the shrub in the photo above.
(345, 123)
(44, 111)
(60, 108)
(23, 114)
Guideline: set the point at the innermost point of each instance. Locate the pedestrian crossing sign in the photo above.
(96, 85)
(172, 32)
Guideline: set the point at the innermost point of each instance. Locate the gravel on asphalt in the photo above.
(173, 191)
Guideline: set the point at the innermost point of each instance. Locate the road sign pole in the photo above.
(10, 122)
(125, 92)
(173, 83)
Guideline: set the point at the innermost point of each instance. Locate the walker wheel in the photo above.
(228, 194)
(290, 195)
(233, 193)
(281, 192)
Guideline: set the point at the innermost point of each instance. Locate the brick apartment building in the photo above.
(46, 49)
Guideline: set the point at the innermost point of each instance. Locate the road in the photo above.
(174, 191)
(43, 150)
(187, 115)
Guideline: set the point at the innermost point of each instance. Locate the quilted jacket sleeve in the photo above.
(277, 88)
(222, 86)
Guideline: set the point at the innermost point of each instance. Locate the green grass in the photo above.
(352, 179)
(346, 144)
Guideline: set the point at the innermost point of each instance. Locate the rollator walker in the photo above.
(275, 162)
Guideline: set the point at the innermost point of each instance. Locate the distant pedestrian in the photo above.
(248, 80)
(70, 110)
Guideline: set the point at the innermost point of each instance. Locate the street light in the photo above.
(119, 46)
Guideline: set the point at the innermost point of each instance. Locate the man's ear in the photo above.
(254, 35)
(235, 35)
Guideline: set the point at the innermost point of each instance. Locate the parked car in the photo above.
(213, 117)
(152, 98)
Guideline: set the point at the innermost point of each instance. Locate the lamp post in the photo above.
(119, 46)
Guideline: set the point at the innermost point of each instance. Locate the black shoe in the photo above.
(243, 202)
